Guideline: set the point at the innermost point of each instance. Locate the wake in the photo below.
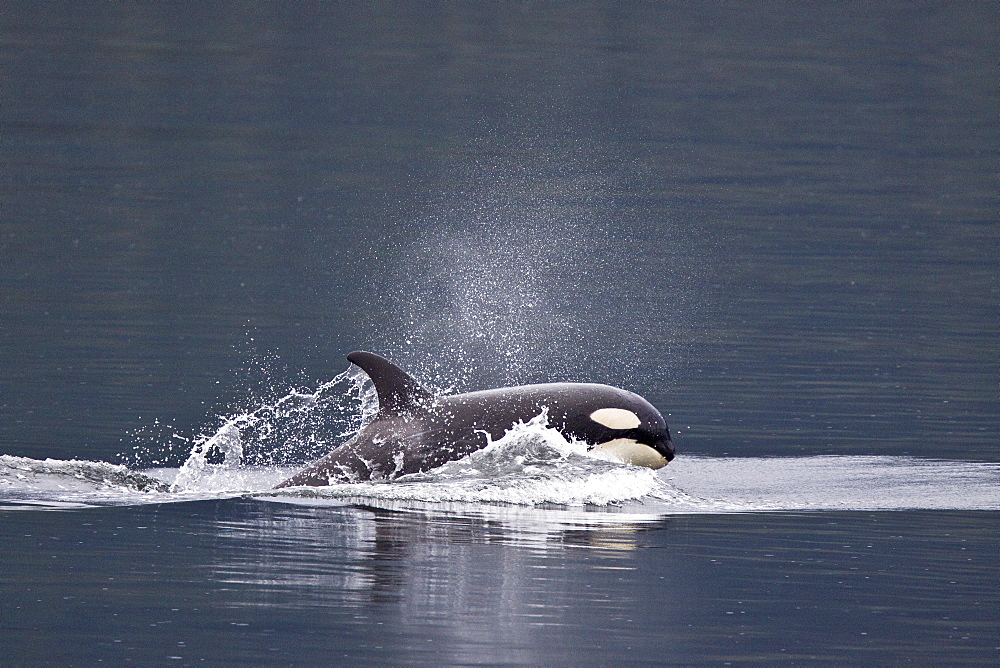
(532, 466)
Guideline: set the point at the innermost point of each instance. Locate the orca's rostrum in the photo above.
(416, 431)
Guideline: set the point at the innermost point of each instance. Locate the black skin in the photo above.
(415, 431)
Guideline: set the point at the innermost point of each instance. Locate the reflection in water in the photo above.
(281, 552)
(385, 554)
(491, 578)
(243, 581)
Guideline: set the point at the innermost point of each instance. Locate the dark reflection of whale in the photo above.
(384, 554)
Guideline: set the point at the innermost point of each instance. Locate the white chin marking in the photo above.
(616, 418)
(629, 451)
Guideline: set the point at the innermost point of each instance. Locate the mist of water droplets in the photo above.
(525, 269)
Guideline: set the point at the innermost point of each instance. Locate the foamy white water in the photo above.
(535, 467)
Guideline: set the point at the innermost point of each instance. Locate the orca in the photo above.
(416, 431)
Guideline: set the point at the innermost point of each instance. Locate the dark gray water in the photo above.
(240, 582)
(777, 222)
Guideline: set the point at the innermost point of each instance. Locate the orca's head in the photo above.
(623, 425)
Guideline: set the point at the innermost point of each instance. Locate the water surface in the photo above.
(778, 223)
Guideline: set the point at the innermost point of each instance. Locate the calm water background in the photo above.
(778, 222)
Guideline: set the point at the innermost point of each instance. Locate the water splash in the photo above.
(532, 466)
(296, 427)
(198, 469)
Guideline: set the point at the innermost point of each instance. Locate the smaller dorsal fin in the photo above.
(397, 391)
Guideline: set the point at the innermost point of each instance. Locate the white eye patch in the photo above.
(616, 418)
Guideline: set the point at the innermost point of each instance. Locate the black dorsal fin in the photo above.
(397, 391)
